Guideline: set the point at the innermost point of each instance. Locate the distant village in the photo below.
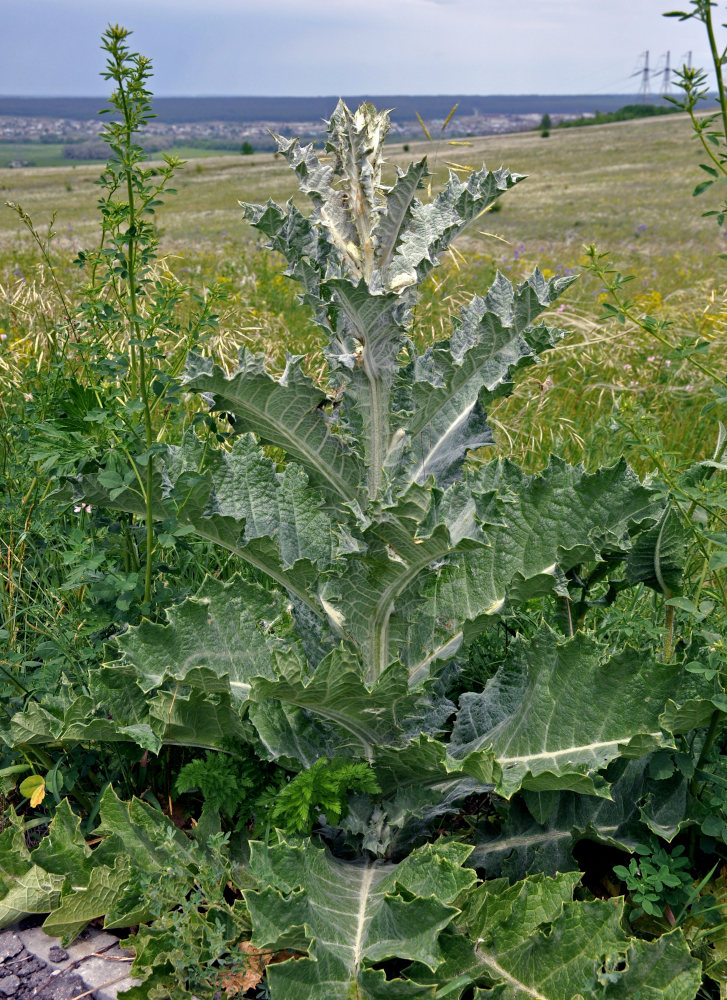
(81, 138)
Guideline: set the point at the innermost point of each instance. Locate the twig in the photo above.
(79, 996)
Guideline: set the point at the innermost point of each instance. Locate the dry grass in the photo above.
(625, 187)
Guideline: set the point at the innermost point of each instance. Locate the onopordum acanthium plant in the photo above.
(378, 554)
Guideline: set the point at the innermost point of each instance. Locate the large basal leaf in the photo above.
(536, 528)
(351, 718)
(421, 782)
(64, 877)
(349, 916)
(274, 521)
(556, 713)
(519, 844)
(531, 940)
(25, 887)
(231, 631)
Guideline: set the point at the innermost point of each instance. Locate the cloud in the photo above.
(345, 46)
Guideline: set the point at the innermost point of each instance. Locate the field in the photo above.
(50, 154)
(624, 187)
(344, 666)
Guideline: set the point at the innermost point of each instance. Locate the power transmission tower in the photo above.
(665, 74)
(645, 73)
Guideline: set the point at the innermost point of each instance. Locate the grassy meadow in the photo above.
(625, 187)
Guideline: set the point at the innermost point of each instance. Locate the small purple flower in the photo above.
(82, 508)
(641, 228)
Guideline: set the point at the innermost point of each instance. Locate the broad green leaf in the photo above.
(196, 719)
(421, 782)
(522, 846)
(35, 891)
(228, 630)
(284, 412)
(64, 851)
(33, 725)
(531, 940)
(275, 522)
(88, 902)
(550, 718)
(358, 719)
(535, 529)
(25, 887)
(348, 916)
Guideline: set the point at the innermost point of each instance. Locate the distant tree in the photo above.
(246, 148)
(545, 125)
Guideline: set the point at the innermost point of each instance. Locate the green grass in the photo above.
(624, 186)
(35, 154)
(50, 154)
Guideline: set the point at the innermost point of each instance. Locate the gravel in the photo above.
(34, 966)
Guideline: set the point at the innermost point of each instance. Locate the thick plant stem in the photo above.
(668, 649)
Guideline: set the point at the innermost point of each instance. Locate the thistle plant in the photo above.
(378, 539)
(381, 539)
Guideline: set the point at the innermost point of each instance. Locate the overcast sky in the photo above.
(330, 47)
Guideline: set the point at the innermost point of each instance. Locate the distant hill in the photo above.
(306, 109)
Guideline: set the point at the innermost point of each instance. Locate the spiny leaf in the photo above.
(400, 200)
(348, 916)
(519, 845)
(444, 391)
(533, 941)
(550, 719)
(230, 630)
(434, 226)
(284, 412)
(337, 698)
